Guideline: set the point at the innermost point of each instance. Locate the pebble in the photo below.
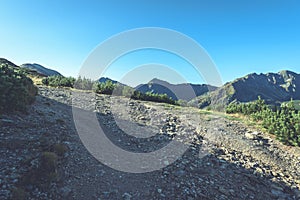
(126, 196)
(213, 173)
(250, 136)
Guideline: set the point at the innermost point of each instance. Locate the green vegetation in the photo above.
(149, 96)
(16, 90)
(104, 88)
(120, 90)
(60, 149)
(48, 164)
(83, 83)
(59, 81)
(44, 173)
(283, 121)
(296, 104)
(107, 87)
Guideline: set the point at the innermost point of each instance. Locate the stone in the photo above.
(166, 162)
(224, 191)
(65, 191)
(180, 173)
(126, 196)
(250, 136)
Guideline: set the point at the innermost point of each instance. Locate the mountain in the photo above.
(104, 79)
(7, 62)
(40, 69)
(272, 87)
(184, 91)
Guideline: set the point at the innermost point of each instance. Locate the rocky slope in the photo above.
(224, 160)
(272, 87)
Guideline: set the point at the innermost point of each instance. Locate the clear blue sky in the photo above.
(240, 36)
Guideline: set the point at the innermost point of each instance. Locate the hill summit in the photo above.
(41, 69)
(272, 87)
(183, 91)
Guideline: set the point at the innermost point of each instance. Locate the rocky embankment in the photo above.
(224, 159)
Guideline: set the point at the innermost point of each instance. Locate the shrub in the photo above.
(284, 122)
(16, 90)
(48, 161)
(59, 81)
(83, 83)
(60, 149)
(109, 87)
(104, 88)
(182, 102)
(127, 91)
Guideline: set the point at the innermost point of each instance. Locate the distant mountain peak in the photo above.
(287, 74)
(184, 91)
(159, 82)
(41, 69)
(104, 79)
(272, 87)
(5, 61)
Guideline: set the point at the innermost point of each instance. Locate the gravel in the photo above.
(225, 159)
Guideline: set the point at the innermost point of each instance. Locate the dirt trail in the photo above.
(224, 159)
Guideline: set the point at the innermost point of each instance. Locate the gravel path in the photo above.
(223, 159)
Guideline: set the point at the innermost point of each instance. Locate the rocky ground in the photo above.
(215, 157)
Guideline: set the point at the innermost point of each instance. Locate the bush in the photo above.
(44, 173)
(284, 122)
(104, 88)
(109, 87)
(48, 162)
(59, 81)
(84, 83)
(247, 108)
(16, 90)
(149, 96)
(60, 149)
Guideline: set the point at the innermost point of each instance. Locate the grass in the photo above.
(205, 112)
(170, 106)
(37, 80)
(245, 120)
(234, 118)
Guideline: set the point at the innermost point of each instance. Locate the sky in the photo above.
(240, 37)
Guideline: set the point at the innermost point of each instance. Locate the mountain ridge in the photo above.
(40, 69)
(272, 87)
(183, 91)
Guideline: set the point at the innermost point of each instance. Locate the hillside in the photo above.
(272, 87)
(185, 91)
(4, 61)
(43, 157)
(105, 79)
(17, 91)
(32, 73)
(40, 69)
(48, 152)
